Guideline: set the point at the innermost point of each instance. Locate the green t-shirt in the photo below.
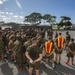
(34, 52)
(72, 47)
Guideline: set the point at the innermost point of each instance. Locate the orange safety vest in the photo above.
(48, 47)
(60, 42)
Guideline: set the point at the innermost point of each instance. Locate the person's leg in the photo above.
(21, 63)
(37, 67)
(30, 70)
(37, 72)
(68, 56)
(53, 65)
(68, 60)
(59, 58)
(46, 60)
(72, 60)
(2, 57)
(46, 65)
(52, 60)
(14, 58)
(56, 59)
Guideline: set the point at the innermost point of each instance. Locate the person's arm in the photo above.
(39, 59)
(56, 47)
(70, 50)
(27, 55)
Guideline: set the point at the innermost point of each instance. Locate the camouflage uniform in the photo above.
(1, 48)
(19, 53)
(68, 37)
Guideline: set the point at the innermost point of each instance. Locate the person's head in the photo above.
(29, 38)
(60, 34)
(35, 41)
(18, 37)
(67, 33)
(49, 38)
(72, 40)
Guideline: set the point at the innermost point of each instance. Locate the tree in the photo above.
(65, 18)
(14, 25)
(34, 18)
(47, 18)
(50, 19)
(65, 21)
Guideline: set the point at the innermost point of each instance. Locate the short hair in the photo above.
(72, 39)
(60, 33)
(34, 40)
(50, 38)
(67, 32)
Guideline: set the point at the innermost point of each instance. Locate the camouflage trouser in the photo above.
(19, 60)
(67, 43)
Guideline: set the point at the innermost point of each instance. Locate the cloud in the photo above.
(2, 1)
(7, 13)
(11, 17)
(2, 12)
(21, 17)
(6, 19)
(11, 13)
(18, 4)
(15, 16)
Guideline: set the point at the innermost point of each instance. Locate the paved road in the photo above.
(10, 69)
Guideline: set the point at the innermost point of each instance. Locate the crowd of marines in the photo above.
(27, 47)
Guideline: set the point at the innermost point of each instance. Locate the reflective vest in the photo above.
(60, 42)
(48, 47)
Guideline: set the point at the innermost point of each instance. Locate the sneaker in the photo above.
(53, 67)
(6, 60)
(67, 63)
(15, 62)
(46, 66)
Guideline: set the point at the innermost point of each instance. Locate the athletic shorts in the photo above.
(50, 57)
(36, 65)
(70, 55)
(58, 52)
